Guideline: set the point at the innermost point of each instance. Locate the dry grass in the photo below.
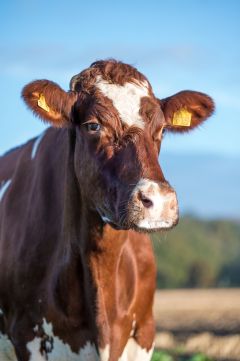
(199, 321)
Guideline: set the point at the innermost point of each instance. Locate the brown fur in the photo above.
(57, 99)
(198, 104)
(88, 278)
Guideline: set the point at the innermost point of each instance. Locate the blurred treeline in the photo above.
(199, 253)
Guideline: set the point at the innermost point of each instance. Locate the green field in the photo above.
(198, 254)
(165, 356)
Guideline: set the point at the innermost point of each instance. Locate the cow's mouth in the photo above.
(140, 225)
(155, 226)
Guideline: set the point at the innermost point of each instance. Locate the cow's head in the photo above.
(119, 129)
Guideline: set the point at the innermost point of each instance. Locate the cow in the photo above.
(77, 270)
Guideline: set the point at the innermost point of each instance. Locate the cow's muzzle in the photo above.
(153, 206)
(150, 207)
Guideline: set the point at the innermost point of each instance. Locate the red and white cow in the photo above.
(77, 271)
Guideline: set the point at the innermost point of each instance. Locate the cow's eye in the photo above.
(92, 127)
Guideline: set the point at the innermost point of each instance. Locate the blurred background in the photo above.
(187, 44)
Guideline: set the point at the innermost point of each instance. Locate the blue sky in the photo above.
(176, 44)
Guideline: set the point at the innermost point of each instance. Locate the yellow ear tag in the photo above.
(182, 118)
(42, 103)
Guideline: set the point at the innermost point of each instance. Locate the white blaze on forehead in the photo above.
(126, 99)
(3, 187)
(36, 145)
(61, 351)
(133, 352)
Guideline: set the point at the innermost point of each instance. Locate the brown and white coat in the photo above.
(77, 271)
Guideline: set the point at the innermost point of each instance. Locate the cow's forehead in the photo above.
(126, 99)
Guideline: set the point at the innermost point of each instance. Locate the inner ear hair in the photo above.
(42, 104)
(49, 101)
(186, 110)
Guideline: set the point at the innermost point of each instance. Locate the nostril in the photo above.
(145, 200)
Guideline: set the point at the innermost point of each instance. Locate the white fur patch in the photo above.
(126, 99)
(34, 349)
(104, 353)
(61, 351)
(132, 332)
(150, 224)
(105, 219)
(133, 352)
(3, 187)
(36, 145)
(7, 352)
(154, 216)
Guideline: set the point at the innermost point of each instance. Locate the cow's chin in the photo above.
(154, 226)
(139, 224)
(144, 226)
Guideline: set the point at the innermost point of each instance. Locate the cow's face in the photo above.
(119, 129)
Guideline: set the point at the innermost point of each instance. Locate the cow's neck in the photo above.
(93, 255)
(104, 267)
(99, 248)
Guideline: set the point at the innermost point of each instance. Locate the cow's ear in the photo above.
(186, 110)
(50, 102)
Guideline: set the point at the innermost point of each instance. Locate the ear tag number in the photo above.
(182, 118)
(42, 103)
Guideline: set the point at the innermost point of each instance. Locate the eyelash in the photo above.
(93, 127)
